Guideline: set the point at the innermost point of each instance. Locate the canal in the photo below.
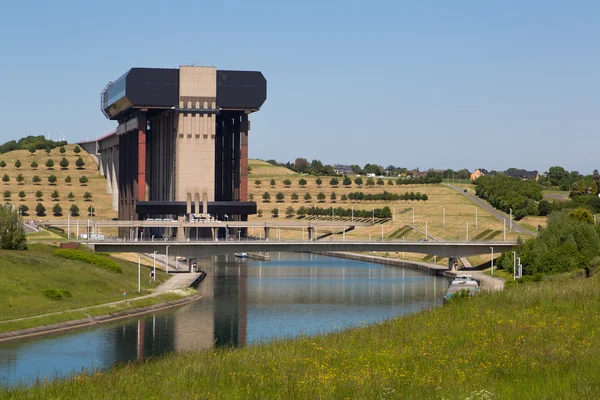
(244, 301)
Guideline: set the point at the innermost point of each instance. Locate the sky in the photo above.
(419, 84)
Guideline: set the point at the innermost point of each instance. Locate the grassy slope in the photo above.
(24, 275)
(458, 208)
(101, 200)
(531, 342)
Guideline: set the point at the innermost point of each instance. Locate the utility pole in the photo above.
(467, 236)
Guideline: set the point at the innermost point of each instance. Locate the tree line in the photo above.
(31, 142)
(384, 212)
(387, 196)
(505, 193)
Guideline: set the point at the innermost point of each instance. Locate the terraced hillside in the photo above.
(95, 185)
(444, 215)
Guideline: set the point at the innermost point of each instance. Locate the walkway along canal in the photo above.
(244, 301)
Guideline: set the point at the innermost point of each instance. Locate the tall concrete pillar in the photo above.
(105, 158)
(101, 162)
(311, 232)
(244, 158)
(267, 230)
(141, 166)
(114, 169)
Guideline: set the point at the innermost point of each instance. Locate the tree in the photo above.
(266, 197)
(321, 197)
(380, 182)
(23, 209)
(39, 195)
(275, 212)
(91, 210)
(68, 180)
(71, 196)
(272, 182)
(18, 164)
(295, 197)
(344, 198)
(20, 179)
(57, 210)
(424, 197)
(7, 194)
(48, 150)
(6, 179)
(13, 233)
(358, 181)
(319, 182)
(251, 196)
(76, 150)
(55, 196)
(74, 210)
(2, 164)
(52, 179)
(87, 196)
(334, 182)
(36, 180)
(22, 195)
(259, 213)
(34, 164)
(257, 183)
(32, 150)
(289, 212)
(370, 182)
(302, 182)
(307, 197)
(390, 183)
(83, 180)
(49, 163)
(287, 183)
(280, 197)
(79, 163)
(64, 163)
(347, 181)
(333, 197)
(62, 149)
(301, 165)
(40, 210)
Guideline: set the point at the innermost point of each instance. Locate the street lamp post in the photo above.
(139, 274)
(492, 260)
(467, 235)
(167, 259)
(514, 265)
(510, 220)
(426, 235)
(504, 227)
(69, 225)
(154, 266)
(444, 213)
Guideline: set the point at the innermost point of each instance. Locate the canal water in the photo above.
(244, 301)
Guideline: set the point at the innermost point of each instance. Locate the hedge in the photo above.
(79, 255)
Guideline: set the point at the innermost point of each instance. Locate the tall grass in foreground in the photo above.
(529, 342)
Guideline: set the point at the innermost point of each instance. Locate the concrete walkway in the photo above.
(488, 283)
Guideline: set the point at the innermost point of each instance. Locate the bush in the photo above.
(40, 210)
(24, 209)
(18, 164)
(39, 194)
(87, 196)
(2, 164)
(13, 234)
(76, 150)
(7, 194)
(6, 178)
(88, 258)
(36, 180)
(49, 164)
(275, 212)
(64, 163)
(52, 179)
(79, 163)
(34, 164)
(74, 210)
(53, 294)
(57, 210)
(55, 196)
(62, 150)
(83, 180)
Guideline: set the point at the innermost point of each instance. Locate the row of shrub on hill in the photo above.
(31, 142)
(347, 182)
(64, 164)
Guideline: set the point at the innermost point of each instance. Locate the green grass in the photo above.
(535, 341)
(24, 275)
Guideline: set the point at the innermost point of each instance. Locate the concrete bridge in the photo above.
(451, 250)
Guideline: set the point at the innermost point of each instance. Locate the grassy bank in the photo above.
(25, 275)
(528, 342)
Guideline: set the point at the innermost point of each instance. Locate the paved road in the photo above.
(498, 214)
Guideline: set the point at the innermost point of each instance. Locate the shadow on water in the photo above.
(244, 301)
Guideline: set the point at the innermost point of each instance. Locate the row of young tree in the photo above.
(570, 241)
(347, 182)
(384, 212)
(387, 196)
(35, 143)
(52, 179)
(505, 193)
(39, 195)
(57, 210)
(64, 164)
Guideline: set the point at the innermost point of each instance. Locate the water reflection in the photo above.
(244, 301)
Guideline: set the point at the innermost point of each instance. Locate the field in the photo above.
(537, 341)
(96, 185)
(428, 216)
(24, 275)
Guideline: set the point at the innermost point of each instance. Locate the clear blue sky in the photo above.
(440, 84)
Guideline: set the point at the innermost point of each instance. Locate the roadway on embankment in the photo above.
(487, 207)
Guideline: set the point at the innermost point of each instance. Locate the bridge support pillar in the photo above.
(267, 230)
(311, 232)
(215, 232)
(452, 263)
